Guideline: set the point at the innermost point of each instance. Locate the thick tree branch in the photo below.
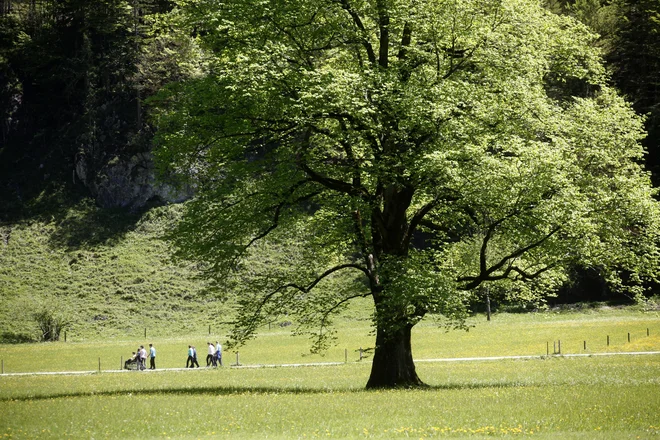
(486, 274)
(364, 129)
(466, 55)
(405, 70)
(328, 182)
(360, 25)
(276, 215)
(325, 275)
(384, 29)
(333, 184)
(348, 150)
(417, 219)
(523, 250)
(253, 320)
(530, 276)
(366, 252)
(406, 37)
(308, 288)
(483, 256)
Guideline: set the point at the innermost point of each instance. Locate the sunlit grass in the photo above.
(506, 335)
(554, 398)
(574, 398)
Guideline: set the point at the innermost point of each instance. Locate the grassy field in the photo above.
(614, 397)
(506, 335)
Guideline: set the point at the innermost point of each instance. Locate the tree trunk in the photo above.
(487, 305)
(393, 365)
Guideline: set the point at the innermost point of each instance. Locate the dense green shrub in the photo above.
(50, 324)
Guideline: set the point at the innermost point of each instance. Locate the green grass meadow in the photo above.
(506, 335)
(611, 397)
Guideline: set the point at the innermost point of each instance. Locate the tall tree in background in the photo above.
(426, 148)
(628, 36)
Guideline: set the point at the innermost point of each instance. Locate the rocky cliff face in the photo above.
(127, 183)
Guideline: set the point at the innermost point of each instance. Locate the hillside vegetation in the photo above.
(104, 272)
(110, 274)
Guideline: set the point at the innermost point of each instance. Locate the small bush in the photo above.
(50, 324)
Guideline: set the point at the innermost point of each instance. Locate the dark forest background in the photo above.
(76, 76)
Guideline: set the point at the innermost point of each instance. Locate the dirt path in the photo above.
(325, 364)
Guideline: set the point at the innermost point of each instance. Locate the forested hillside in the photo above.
(82, 212)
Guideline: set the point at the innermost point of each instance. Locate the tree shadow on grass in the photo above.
(91, 226)
(78, 222)
(262, 390)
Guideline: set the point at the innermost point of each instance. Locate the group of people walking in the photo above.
(139, 359)
(213, 358)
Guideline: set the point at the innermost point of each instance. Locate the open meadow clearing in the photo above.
(614, 397)
(529, 334)
(588, 397)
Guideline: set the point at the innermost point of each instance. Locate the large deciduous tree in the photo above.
(421, 148)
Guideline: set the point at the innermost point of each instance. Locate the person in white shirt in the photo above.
(210, 358)
(190, 357)
(143, 358)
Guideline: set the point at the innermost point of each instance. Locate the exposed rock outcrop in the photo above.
(127, 182)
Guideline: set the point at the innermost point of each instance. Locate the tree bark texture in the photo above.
(393, 364)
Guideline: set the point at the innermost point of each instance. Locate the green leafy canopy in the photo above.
(406, 150)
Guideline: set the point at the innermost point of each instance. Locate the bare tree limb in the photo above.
(327, 313)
